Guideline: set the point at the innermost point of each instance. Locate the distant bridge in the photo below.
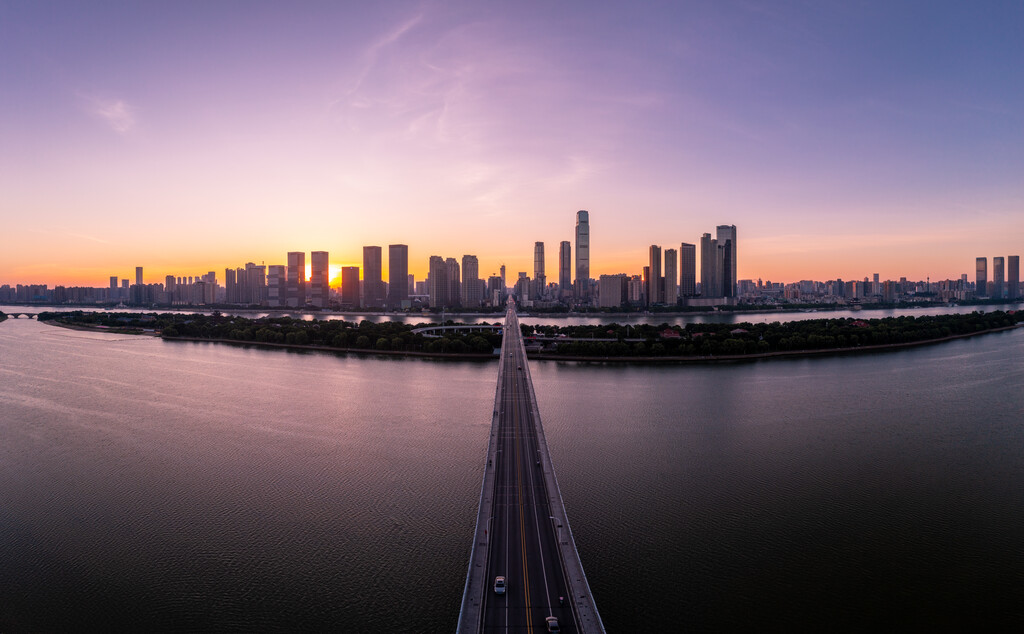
(25, 315)
(438, 331)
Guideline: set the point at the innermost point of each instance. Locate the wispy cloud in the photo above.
(115, 113)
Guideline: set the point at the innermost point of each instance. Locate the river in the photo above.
(167, 486)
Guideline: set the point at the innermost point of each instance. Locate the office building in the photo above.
(613, 290)
(671, 275)
(565, 269)
(687, 270)
(710, 284)
(373, 283)
(981, 277)
(472, 290)
(655, 288)
(398, 276)
(540, 280)
(350, 287)
(726, 235)
(138, 275)
(296, 290)
(437, 282)
(277, 285)
(454, 282)
(522, 290)
(320, 279)
(582, 255)
(997, 277)
(495, 290)
(1013, 277)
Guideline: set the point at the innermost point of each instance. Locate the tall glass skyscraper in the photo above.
(565, 269)
(540, 280)
(373, 283)
(981, 277)
(398, 275)
(320, 280)
(582, 255)
(296, 284)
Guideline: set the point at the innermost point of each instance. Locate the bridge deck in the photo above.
(522, 532)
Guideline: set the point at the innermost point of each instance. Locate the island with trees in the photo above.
(694, 342)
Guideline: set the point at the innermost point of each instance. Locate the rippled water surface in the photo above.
(147, 485)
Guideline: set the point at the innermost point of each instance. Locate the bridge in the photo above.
(522, 532)
(20, 315)
(438, 331)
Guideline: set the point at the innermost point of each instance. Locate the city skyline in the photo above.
(844, 139)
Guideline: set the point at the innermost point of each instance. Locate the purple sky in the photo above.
(843, 139)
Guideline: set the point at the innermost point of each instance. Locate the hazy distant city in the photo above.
(668, 280)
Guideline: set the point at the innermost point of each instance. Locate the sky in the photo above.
(842, 138)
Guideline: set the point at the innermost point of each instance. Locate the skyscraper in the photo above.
(688, 270)
(277, 285)
(671, 275)
(451, 266)
(539, 279)
(565, 269)
(350, 286)
(138, 275)
(320, 280)
(726, 235)
(437, 282)
(710, 285)
(655, 294)
(398, 275)
(373, 283)
(981, 277)
(997, 277)
(471, 288)
(582, 255)
(1013, 277)
(296, 294)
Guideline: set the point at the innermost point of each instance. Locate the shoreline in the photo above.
(471, 356)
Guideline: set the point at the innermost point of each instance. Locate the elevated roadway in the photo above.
(522, 532)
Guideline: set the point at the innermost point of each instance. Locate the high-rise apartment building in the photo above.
(471, 288)
(373, 283)
(504, 284)
(437, 282)
(565, 269)
(296, 293)
(255, 284)
(655, 287)
(277, 285)
(138, 275)
(350, 286)
(671, 275)
(688, 270)
(997, 277)
(540, 280)
(710, 283)
(320, 279)
(398, 275)
(1013, 277)
(451, 265)
(981, 277)
(582, 255)
(726, 235)
(612, 290)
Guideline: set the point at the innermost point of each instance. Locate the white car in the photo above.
(499, 585)
(552, 624)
